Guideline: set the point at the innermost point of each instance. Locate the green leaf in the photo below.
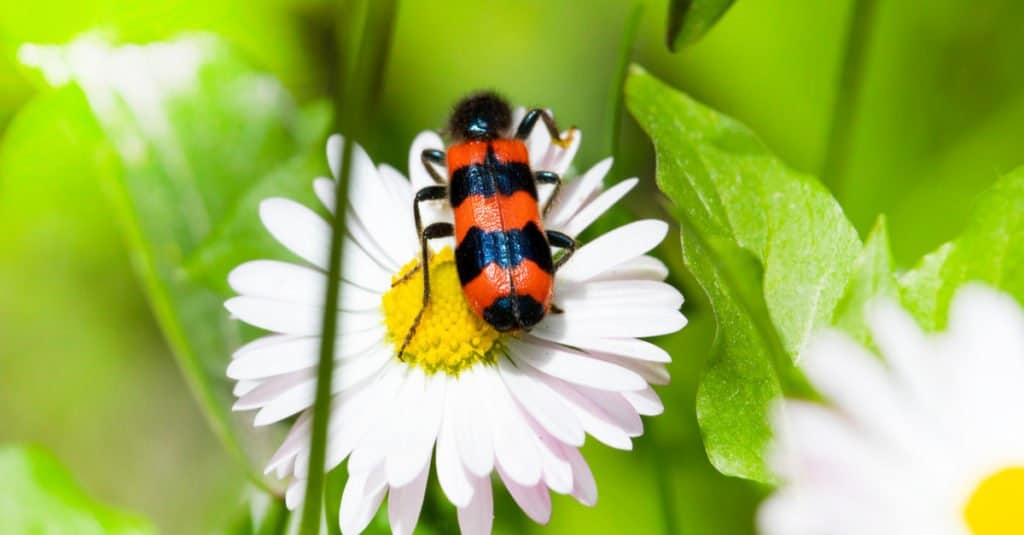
(769, 246)
(38, 495)
(872, 277)
(990, 250)
(689, 20)
(199, 135)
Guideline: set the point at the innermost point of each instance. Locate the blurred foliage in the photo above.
(85, 372)
(194, 141)
(40, 497)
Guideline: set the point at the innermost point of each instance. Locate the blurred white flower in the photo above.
(930, 441)
(516, 404)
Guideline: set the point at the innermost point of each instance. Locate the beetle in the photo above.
(502, 253)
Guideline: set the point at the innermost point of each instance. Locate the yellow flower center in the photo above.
(449, 337)
(997, 505)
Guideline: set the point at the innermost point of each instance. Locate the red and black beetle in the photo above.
(502, 251)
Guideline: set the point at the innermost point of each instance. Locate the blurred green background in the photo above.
(86, 373)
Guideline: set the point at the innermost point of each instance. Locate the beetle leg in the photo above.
(547, 177)
(434, 230)
(431, 157)
(530, 120)
(428, 193)
(564, 241)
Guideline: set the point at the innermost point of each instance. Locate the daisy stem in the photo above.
(625, 54)
(662, 465)
(364, 42)
(847, 93)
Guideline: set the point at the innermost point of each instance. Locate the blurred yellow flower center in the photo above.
(997, 505)
(449, 337)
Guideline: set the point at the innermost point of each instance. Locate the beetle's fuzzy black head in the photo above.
(480, 116)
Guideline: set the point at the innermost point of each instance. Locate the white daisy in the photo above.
(480, 401)
(928, 442)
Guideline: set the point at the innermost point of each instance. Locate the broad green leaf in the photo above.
(199, 136)
(872, 277)
(37, 495)
(689, 20)
(770, 247)
(990, 250)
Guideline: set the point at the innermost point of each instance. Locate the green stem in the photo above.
(662, 465)
(621, 69)
(361, 67)
(310, 524)
(847, 94)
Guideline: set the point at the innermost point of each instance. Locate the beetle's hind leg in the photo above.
(547, 177)
(568, 244)
(565, 242)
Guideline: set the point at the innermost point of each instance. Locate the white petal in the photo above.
(405, 503)
(295, 440)
(361, 410)
(417, 173)
(616, 408)
(335, 153)
(242, 388)
(858, 384)
(596, 208)
(631, 322)
(295, 494)
(645, 402)
(554, 158)
(270, 389)
(624, 347)
(542, 404)
(618, 294)
(325, 190)
(411, 446)
(584, 487)
(613, 248)
(368, 240)
(360, 500)
(537, 143)
(557, 471)
(515, 447)
(576, 193)
(370, 200)
(572, 365)
(285, 281)
(450, 472)
(655, 373)
(297, 353)
(298, 228)
(478, 517)
(594, 419)
(534, 500)
(644, 267)
(301, 396)
(375, 446)
(362, 270)
(296, 318)
(904, 347)
(473, 423)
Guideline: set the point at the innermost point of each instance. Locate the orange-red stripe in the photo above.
(498, 212)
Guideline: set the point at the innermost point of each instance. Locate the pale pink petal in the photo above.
(478, 517)
(534, 500)
(405, 503)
